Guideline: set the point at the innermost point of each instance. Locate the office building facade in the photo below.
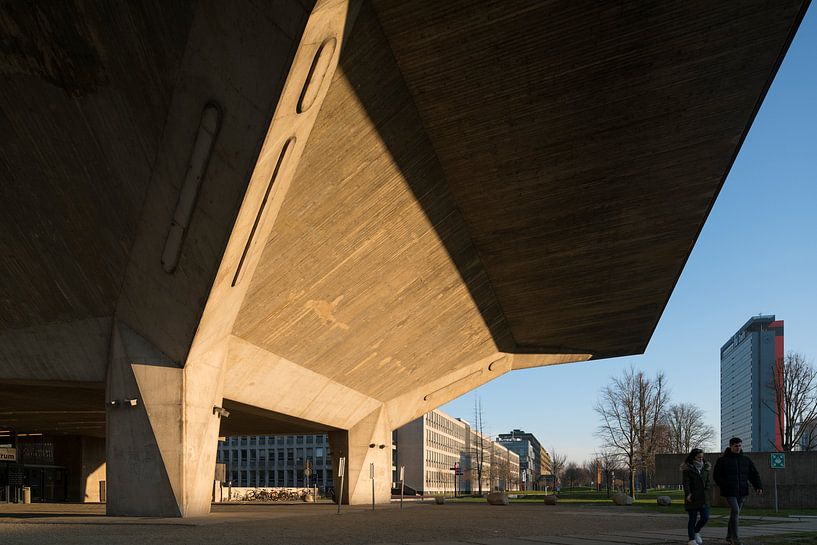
(427, 447)
(266, 461)
(534, 461)
(430, 447)
(749, 360)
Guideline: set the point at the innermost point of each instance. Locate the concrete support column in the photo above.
(161, 432)
(368, 442)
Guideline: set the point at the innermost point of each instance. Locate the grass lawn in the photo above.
(589, 496)
(804, 538)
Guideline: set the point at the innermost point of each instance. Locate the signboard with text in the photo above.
(8, 454)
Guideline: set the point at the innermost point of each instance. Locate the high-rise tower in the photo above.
(749, 360)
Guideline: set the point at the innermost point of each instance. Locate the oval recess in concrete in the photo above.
(317, 73)
(196, 167)
(286, 151)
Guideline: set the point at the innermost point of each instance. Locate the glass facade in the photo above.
(267, 461)
(749, 361)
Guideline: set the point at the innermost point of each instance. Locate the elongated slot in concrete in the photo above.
(285, 153)
(317, 73)
(196, 168)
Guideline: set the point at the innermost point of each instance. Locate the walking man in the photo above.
(733, 473)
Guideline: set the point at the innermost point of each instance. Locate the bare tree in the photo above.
(493, 474)
(503, 469)
(478, 442)
(557, 465)
(572, 474)
(685, 428)
(592, 469)
(794, 384)
(631, 408)
(610, 461)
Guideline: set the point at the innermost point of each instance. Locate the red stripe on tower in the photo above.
(779, 354)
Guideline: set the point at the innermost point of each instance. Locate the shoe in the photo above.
(692, 542)
(698, 539)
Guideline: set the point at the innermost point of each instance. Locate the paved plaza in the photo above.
(427, 524)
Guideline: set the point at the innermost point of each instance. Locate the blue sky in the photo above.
(757, 254)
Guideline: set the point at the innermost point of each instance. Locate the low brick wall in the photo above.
(796, 484)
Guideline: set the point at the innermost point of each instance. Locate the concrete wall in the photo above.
(796, 484)
(410, 453)
(92, 469)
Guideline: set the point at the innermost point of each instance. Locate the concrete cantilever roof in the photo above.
(483, 186)
(485, 177)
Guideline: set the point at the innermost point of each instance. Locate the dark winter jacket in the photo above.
(734, 472)
(696, 484)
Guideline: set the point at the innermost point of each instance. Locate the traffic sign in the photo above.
(777, 460)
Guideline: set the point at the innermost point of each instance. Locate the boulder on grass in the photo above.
(622, 499)
(439, 500)
(551, 499)
(498, 498)
(663, 500)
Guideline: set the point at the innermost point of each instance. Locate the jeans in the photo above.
(735, 503)
(698, 517)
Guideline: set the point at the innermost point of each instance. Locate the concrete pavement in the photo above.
(649, 537)
(417, 524)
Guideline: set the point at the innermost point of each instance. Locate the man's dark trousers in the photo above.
(735, 503)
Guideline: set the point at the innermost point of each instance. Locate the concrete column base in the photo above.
(160, 448)
(368, 442)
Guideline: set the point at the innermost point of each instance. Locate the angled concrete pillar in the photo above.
(368, 442)
(161, 432)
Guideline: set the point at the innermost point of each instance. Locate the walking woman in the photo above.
(697, 489)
